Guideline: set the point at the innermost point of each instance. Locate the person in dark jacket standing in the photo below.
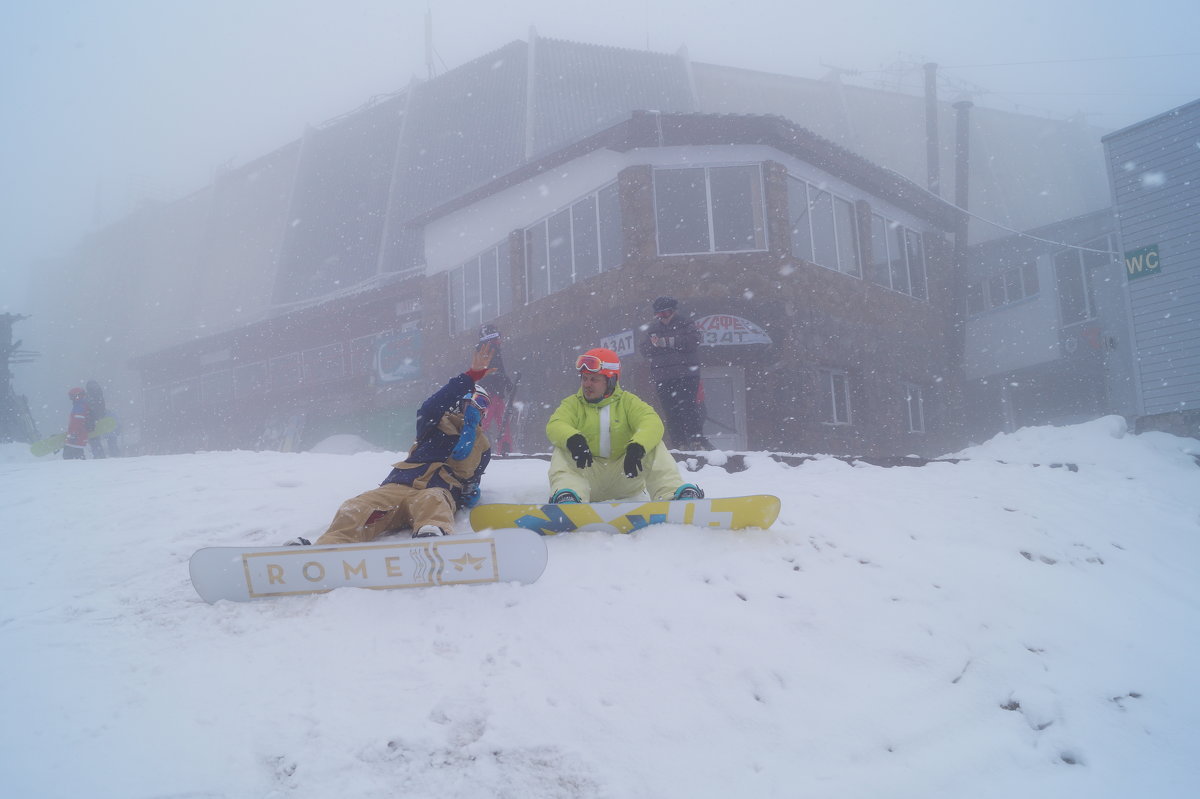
(440, 475)
(671, 344)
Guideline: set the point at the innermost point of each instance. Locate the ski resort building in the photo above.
(553, 189)
(1047, 338)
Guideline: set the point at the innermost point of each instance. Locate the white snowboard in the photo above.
(240, 574)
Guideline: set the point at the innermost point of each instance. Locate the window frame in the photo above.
(1086, 264)
(1003, 287)
(834, 239)
(606, 236)
(758, 206)
(462, 317)
(835, 384)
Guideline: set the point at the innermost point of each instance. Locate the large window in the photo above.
(709, 209)
(897, 258)
(824, 228)
(480, 289)
(1074, 273)
(574, 244)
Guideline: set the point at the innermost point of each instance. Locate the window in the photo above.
(573, 244)
(559, 249)
(250, 379)
(914, 248)
(1074, 273)
(480, 289)
(914, 401)
(217, 387)
(897, 258)
(820, 210)
(737, 208)
(899, 263)
(846, 228)
(611, 236)
(879, 270)
(836, 388)
(324, 363)
(824, 228)
(1010, 285)
(472, 294)
(537, 261)
(284, 372)
(585, 238)
(709, 209)
(801, 220)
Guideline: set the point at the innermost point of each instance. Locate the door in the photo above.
(724, 391)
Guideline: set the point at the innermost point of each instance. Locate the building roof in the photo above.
(645, 129)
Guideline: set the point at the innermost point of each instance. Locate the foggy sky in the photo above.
(109, 103)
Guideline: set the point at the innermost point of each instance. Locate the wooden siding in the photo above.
(1155, 172)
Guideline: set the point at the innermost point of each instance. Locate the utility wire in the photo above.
(999, 226)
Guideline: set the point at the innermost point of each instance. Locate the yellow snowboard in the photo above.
(728, 513)
(56, 442)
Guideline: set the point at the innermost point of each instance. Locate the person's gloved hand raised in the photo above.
(633, 459)
(580, 451)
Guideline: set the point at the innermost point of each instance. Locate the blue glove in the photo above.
(466, 440)
(471, 495)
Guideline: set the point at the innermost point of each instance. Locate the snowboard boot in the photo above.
(297, 542)
(428, 531)
(688, 491)
(565, 496)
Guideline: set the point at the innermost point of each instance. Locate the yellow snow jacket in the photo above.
(608, 425)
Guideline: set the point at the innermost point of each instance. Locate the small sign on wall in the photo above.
(1142, 262)
(717, 330)
(621, 343)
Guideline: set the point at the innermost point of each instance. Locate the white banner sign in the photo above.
(622, 343)
(718, 330)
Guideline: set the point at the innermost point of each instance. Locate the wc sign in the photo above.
(1142, 262)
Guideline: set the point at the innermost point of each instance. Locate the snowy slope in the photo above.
(989, 628)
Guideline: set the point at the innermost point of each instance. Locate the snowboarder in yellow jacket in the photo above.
(608, 442)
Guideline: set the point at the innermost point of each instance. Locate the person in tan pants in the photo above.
(440, 474)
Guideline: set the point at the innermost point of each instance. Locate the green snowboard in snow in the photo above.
(48, 446)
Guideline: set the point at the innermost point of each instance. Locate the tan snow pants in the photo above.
(389, 508)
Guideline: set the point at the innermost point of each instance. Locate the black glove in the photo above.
(580, 451)
(633, 459)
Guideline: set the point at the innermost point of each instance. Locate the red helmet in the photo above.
(76, 393)
(600, 361)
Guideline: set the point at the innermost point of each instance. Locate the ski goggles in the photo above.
(477, 398)
(592, 363)
(667, 314)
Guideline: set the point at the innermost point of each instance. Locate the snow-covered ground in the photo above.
(990, 628)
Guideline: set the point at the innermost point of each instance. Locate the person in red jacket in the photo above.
(77, 425)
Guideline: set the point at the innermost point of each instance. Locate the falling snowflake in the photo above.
(1154, 180)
